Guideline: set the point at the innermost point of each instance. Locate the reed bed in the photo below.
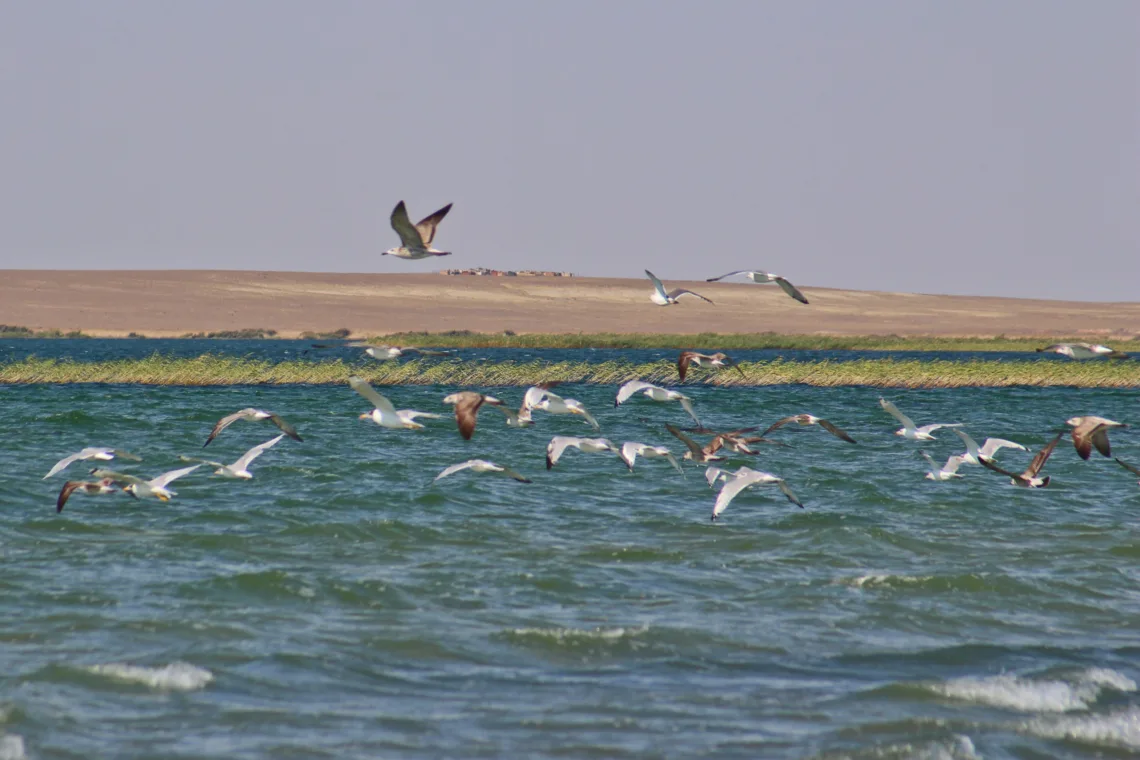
(210, 370)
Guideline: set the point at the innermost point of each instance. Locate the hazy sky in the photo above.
(973, 146)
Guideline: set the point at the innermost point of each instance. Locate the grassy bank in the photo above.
(884, 373)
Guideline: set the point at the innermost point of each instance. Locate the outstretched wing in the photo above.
(730, 274)
(1130, 467)
(424, 351)
(426, 226)
(455, 468)
(361, 386)
(65, 493)
(224, 423)
(1041, 457)
(628, 389)
(66, 461)
(835, 431)
(409, 235)
(893, 410)
(683, 363)
(676, 293)
(285, 427)
(169, 477)
(118, 477)
(557, 445)
(778, 424)
(512, 474)
(992, 445)
(791, 290)
(990, 465)
(656, 284)
(577, 406)
(687, 405)
(690, 444)
(255, 452)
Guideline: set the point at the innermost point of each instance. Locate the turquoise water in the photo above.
(339, 605)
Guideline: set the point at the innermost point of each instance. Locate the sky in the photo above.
(987, 147)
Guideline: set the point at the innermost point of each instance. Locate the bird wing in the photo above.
(169, 477)
(63, 463)
(126, 455)
(577, 407)
(557, 445)
(424, 351)
(118, 477)
(511, 415)
(361, 386)
(690, 444)
(972, 445)
(937, 426)
(255, 452)
(683, 363)
(65, 493)
(512, 474)
(412, 414)
(284, 427)
(224, 423)
(835, 431)
(676, 293)
(1082, 440)
(729, 491)
(788, 493)
(990, 465)
(628, 389)
(930, 461)
(953, 463)
(656, 284)
(673, 461)
(713, 474)
(467, 412)
(791, 290)
(629, 451)
(1100, 440)
(893, 410)
(1040, 459)
(426, 226)
(730, 274)
(687, 405)
(409, 235)
(778, 424)
(1130, 467)
(455, 468)
(993, 445)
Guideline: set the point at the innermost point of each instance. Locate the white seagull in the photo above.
(91, 452)
(560, 443)
(714, 474)
(240, 468)
(974, 453)
(631, 450)
(946, 471)
(552, 403)
(482, 465)
(384, 414)
(253, 415)
(662, 298)
(140, 489)
(1083, 351)
(746, 477)
(415, 240)
(909, 431)
(656, 393)
(763, 277)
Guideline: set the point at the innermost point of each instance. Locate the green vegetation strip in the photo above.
(884, 373)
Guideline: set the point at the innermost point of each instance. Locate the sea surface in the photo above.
(342, 605)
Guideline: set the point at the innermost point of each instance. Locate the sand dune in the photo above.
(163, 303)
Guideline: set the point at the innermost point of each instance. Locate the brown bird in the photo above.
(1029, 478)
(1091, 431)
(467, 404)
(253, 415)
(704, 360)
(810, 419)
(696, 452)
(415, 240)
(1130, 467)
(106, 485)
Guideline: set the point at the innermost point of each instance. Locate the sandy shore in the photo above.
(172, 303)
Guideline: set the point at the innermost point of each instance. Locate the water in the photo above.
(339, 605)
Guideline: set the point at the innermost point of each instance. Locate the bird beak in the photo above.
(363, 416)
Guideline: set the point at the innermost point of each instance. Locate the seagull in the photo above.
(909, 431)
(482, 465)
(656, 393)
(631, 450)
(1130, 467)
(552, 403)
(696, 452)
(987, 450)
(946, 471)
(467, 404)
(240, 468)
(251, 414)
(714, 474)
(415, 241)
(735, 441)
(1083, 351)
(661, 298)
(809, 419)
(745, 477)
(91, 452)
(387, 353)
(1091, 431)
(106, 485)
(139, 488)
(704, 360)
(560, 443)
(386, 415)
(1029, 478)
(763, 277)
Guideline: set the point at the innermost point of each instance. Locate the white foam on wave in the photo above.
(884, 579)
(1121, 729)
(1036, 694)
(177, 676)
(12, 747)
(581, 634)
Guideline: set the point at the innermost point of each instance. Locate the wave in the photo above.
(1119, 729)
(1036, 694)
(177, 676)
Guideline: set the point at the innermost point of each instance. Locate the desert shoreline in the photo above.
(172, 303)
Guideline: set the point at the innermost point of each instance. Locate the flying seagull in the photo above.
(482, 465)
(809, 419)
(106, 485)
(415, 241)
(252, 415)
(91, 452)
(1091, 431)
(909, 431)
(383, 413)
(946, 471)
(559, 443)
(552, 403)
(139, 488)
(746, 477)
(696, 452)
(1130, 467)
(631, 450)
(382, 351)
(1029, 478)
(988, 449)
(763, 277)
(661, 298)
(714, 474)
(240, 468)
(704, 360)
(467, 404)
(656, 393)
(1083, 351)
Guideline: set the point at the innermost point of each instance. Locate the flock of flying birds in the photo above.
(1087, 432)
